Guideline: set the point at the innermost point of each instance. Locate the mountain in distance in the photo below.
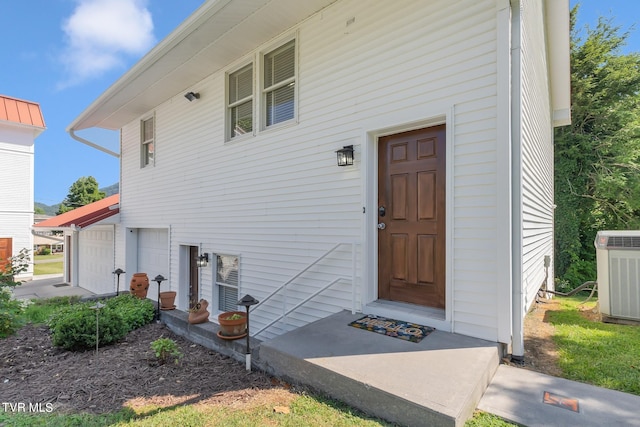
(52, 209)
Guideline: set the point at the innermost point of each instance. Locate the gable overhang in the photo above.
(559, 55)
(216, 34)
(105, 211)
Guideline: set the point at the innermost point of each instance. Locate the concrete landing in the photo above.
(436, 382)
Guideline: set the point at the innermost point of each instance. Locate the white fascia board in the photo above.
(559, 50)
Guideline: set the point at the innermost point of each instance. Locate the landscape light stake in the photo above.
(118, 272)
(248, 301)
(97, 308)
(159, 278)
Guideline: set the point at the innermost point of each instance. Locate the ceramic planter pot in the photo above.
(233, 324)
(199, 313)
(167, 300)
(139, 285)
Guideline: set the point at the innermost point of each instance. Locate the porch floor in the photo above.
(438, 381)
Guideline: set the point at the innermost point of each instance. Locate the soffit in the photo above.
(214, 36)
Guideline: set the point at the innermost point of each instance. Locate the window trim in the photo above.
(230, 105)
(217, 284)
(295, 79)
(144, 143)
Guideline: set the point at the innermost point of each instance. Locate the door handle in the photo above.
(381, 226)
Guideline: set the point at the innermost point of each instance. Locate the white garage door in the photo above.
(153, 252)
(95, 263)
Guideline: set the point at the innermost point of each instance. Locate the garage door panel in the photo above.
(96, 260)
(153, 255)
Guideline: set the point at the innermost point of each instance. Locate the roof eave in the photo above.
(559, 48)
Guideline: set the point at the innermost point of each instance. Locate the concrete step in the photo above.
(437, 382)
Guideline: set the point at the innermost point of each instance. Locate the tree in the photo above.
(82, 192)
(597, 157)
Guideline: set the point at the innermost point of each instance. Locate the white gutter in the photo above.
(92, 144)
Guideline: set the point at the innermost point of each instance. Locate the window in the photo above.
(227, 282)
(240, 105)
(251, 105)
(147, 140)
(279, 79)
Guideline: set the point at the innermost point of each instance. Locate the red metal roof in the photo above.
(84, 216)
(19, 111)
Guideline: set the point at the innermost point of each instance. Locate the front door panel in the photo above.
(411, 216)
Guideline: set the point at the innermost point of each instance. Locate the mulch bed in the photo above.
(126, 374)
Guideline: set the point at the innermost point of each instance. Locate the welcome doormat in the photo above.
(393, 328)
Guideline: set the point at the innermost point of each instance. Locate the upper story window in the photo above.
(240, 105)
(279, 80)
(147, 134)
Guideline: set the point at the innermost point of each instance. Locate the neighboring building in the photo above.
(229, 132)
(46, 239)
(20, 124)
(88, 235)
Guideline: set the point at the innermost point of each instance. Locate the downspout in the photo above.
(92, 144)
(517, 319)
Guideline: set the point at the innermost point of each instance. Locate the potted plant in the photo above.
(199, 313)
(233, 325)
(167, 300)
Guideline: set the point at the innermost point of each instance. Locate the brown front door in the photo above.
(194, 276)
(6, 252)
(411, 217)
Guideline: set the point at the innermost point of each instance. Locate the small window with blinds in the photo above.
(240, 105)
(227, 282)
(279, 80)
(147, 149)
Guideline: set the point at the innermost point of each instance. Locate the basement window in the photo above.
(227, 282)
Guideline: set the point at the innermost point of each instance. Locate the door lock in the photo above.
(382, 211)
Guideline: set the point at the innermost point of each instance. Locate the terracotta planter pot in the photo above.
(139, 285)
(199, 313)
(167, 300)
(236, 327)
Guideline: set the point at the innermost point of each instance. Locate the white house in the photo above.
(229, 133)
(20, 124)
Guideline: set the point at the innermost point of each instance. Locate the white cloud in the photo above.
(100, 34)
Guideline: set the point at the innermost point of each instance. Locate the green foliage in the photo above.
(11, 309)
(134, 311)
(74, 327)
(597, 157)
(82, 192)
(44, 251)
(593, 352)
(165, 348)
(39, 311)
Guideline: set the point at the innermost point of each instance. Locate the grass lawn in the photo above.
(47, 264)
(603, 354)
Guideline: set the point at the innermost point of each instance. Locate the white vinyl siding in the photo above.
(280, 200)
(16, 187)
(537, 155)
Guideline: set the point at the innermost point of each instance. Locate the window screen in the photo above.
(227, 282)
(279, 84)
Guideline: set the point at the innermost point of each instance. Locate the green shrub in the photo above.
(165, 348)
(135, 312)
(74, 327)
(44, 251)
(10, 309)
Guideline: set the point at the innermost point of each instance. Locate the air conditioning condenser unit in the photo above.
(618, 263)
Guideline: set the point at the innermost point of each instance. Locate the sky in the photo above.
(63, 54)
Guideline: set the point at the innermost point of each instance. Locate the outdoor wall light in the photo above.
(192, 95)
(203, 260)
(345, 156)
